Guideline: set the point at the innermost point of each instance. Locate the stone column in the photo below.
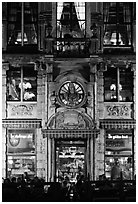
(40, 154)
(49, 160)
(4, 149)
(134, 35)
(91, 158)
(135, 150)
(40, 92)
(100, 97)
(134, 110)
(54, 19)
(88, 19)
(52, 159)
(88, 157)
(100, 146)
(5, 67)
(46, 158)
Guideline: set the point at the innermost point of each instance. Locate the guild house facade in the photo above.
(68, 89)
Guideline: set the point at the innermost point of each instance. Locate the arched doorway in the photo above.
(72, 136)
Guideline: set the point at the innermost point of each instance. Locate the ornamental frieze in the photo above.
(116, 111)
(22, 110)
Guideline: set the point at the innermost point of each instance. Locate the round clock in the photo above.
(71, 94)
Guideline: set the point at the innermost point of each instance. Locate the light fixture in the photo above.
(19, 38)
(113, 87)
(114, 39)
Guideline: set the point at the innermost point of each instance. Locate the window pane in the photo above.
(30, 22)
(15, 23)
(127, 8)
(116, 165)
(126, 82)
(18, 165)
(20, 152)
(117, 35)
(71, 19)
(30, 12)
(110, 85)
(29, 84)
(118, 154)
(30, 34)
(119, 143)
(117, 24)
(21, 142)
(13, 87)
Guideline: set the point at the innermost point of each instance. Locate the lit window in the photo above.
(21, 84)
(118, 24)
(22, 23)
(118, 84)
(119, 155)
(20, 152)
(70, 19)
(71, 29)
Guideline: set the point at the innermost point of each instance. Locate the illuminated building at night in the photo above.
(68, 89)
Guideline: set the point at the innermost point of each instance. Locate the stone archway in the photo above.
(70, 126)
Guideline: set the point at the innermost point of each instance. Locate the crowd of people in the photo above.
(24, 189)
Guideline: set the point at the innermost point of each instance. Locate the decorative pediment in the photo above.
(70, 119)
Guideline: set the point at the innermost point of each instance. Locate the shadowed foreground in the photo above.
(37, 190)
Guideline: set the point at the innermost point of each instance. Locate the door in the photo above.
(70, 159)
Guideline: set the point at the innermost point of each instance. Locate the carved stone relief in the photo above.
(22, 110)
(70, 119)
(116, 111)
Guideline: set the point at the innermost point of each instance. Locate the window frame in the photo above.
(23, 24)
(114, 156)
(20, 155)
(117, 25)
(118, 79)
(57, 20)
(21, 98)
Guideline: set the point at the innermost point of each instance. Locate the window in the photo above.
(118, 154)
(70, 19)
(118, 84)
(22, 84)
(71, 29)
(20, 152)
(22, 23)
(118, 24)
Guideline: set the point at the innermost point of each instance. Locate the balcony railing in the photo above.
(74, 47)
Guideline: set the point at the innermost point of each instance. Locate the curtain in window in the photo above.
(22, 20)
(59, 10)
(80, 11)
(117, 20)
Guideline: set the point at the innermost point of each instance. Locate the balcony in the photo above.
(74, 47)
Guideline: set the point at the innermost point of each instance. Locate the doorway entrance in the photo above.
(70, 159)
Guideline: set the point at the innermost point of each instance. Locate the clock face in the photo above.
(71, 94)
